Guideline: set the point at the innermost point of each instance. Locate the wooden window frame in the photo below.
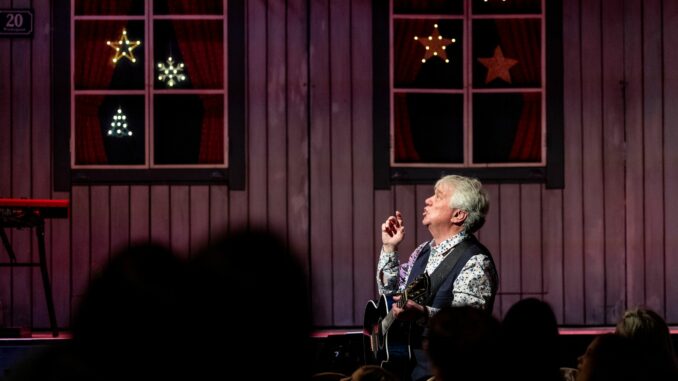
(387, 174)
(233, 174)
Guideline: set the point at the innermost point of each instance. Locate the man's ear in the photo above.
(459, 216)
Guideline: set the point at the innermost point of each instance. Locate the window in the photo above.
(471, 88)
(150, 95)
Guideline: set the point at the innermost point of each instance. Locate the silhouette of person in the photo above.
(249, 299)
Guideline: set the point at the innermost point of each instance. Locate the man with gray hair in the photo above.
(452, 214)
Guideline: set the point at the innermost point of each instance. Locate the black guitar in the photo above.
(387, 342)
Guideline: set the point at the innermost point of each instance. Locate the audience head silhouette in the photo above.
(651, 339)
(609, 357)
(125, 322)
(250, 298)
(531, 334)
(464, 344)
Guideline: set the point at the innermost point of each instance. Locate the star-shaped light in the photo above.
(123, 47)
(170, 73)
(498, 66)
(119, 125)
(435, 45)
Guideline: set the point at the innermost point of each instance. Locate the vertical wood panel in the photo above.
(670, 101)
(383, 207)
(509, 245)
(257, 157)
(61, 265)
(594, 245)
(218, 210)
(363, 199)
(653, 171)
(160, 215)
(200, 217)
(320, 164)
(238, 211)
(139, 223)
(80, 242)
(573, 195)
(531, 282)
(635, 267)
(120, 216)
(613, 151)
(552, 230)
(99, 228)
(21, 123)
(5, 164)
(180, 220)
(405, 203)
(420, 230)
(341, 160)
(276, 196)
(490, 236)
(41, 159)
(297, 131)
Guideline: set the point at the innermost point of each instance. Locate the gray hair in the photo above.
(470, 197)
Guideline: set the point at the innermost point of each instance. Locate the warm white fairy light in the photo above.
(119, 125)
(171, 73)
(123, 47)
(435, 45)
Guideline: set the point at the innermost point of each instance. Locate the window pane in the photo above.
(109, 7)
(446, 7)
(109, 130)
(435, 72)
(506, 53)
(189, 129)
(188, 7)
(94, 66)
(198, 45)
(428, 128)
(507, 127)
(485, 7)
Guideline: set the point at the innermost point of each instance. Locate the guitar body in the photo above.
(389, 348)
(388, 339)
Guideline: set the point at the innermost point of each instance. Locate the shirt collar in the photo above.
(447, 244)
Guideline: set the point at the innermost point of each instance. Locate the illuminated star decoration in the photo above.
(170, 73)
(123, 47)
(435, 45)
(119, 126)
(498, 66)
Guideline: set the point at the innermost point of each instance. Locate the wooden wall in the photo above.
(604, 243)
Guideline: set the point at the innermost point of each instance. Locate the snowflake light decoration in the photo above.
(119, 125)
(170, 73)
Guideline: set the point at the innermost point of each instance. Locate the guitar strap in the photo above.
(440, 273)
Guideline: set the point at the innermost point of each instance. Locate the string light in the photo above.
(435, 45)
(170, 73)
(119, 125)
(123, 47)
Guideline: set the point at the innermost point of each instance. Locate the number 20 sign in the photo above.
(16, 22)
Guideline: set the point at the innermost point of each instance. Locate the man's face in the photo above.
(437, 211)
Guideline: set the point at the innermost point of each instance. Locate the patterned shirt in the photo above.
(473, 286)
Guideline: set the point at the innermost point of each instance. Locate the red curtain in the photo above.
(201, 44)
(89, 144)
(521, 40)
(93, 69)
(403, 143)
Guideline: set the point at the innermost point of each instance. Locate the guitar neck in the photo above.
(388, 320)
